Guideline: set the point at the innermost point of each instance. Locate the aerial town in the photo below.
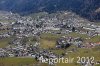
(45, 36)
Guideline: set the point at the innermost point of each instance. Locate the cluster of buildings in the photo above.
(65, 42)
(27, 26)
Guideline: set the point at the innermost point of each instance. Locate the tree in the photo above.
(73, 29)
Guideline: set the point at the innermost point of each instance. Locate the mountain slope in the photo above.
(85, 8)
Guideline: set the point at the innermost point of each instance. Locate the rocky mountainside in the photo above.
(89, 9)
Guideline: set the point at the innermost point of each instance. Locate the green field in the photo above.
(6, 20)
(20, 62)
(4, 42)
(16, 61)
(48, 40)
